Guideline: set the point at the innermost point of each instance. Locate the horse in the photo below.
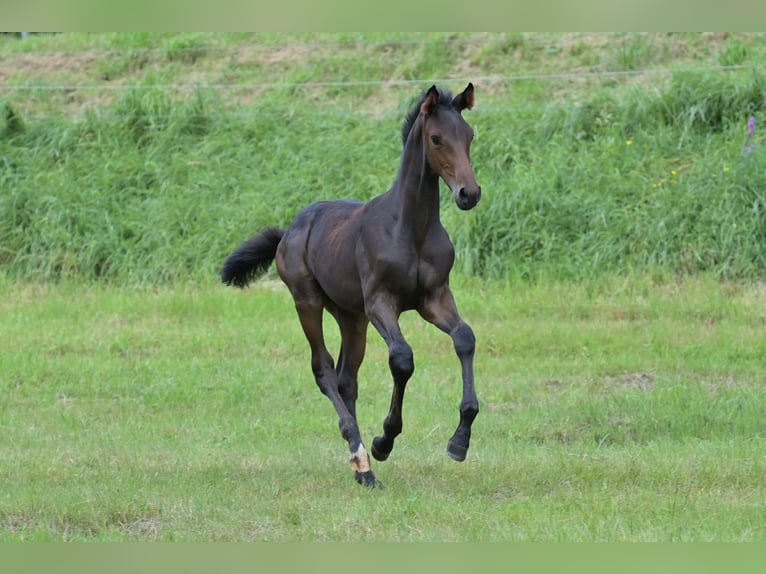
(369, 262)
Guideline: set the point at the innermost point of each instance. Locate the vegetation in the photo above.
(613, 274)
(144, 158)
(623, 413)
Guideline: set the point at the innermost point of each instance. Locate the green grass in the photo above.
(155, 154)
(613, 273)
(624, 410)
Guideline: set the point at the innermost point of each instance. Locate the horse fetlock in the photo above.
(359, 460)
(381, 448)
(468, 412)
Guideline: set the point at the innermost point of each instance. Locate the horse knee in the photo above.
(464, 340)
(401, 362)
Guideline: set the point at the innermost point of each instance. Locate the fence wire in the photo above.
(536, 40)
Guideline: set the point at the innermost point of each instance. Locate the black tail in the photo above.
(251, 259)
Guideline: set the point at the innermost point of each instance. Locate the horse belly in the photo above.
(341, 287)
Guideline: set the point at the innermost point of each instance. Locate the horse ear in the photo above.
(430, 101)
(464, 100)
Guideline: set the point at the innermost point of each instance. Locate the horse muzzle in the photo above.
(467, 198)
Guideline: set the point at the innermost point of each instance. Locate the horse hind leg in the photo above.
(328, 380)
(353, 329)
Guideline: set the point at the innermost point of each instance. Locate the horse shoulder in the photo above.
(437, 257)
(438, 247)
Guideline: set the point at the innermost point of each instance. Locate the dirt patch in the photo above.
(273, 55)
(60, 77)
(643, 381)
(502, 407)
(15, 524)
(147, 528)
(42, 66)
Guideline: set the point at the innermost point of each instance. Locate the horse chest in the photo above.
(410, 272)
(396, 260)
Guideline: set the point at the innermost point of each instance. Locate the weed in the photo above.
(12, 124)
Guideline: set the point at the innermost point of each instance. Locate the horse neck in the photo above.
(416, 190)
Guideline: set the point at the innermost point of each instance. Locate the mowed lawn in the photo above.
(632, 409)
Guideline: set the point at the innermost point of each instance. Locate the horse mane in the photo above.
(445, 99)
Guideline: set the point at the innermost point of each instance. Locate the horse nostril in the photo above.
(467, 198)
(464, 195)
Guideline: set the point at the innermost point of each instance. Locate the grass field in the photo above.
(613, 274)
(627, 411)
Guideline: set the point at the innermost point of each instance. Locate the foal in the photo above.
(369, 262)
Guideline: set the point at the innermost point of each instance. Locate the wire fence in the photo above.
(231, 89)
(359, 83)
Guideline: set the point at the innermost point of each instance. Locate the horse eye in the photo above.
(436, 140)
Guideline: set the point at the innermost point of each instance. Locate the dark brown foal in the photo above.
(370, 262)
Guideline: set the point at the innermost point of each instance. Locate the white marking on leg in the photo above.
(360, 462)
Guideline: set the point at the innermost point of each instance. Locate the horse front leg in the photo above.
(385, 318)
(439, 309)
(465, 344)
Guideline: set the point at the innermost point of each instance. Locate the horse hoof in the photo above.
(368, 479)
(378, 450)
(456, 452)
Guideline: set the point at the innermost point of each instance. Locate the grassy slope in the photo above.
(155, 158)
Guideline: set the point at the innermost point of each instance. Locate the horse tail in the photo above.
(251, 259)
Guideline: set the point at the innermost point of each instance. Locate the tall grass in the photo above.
(580, 178)
(650, 180)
